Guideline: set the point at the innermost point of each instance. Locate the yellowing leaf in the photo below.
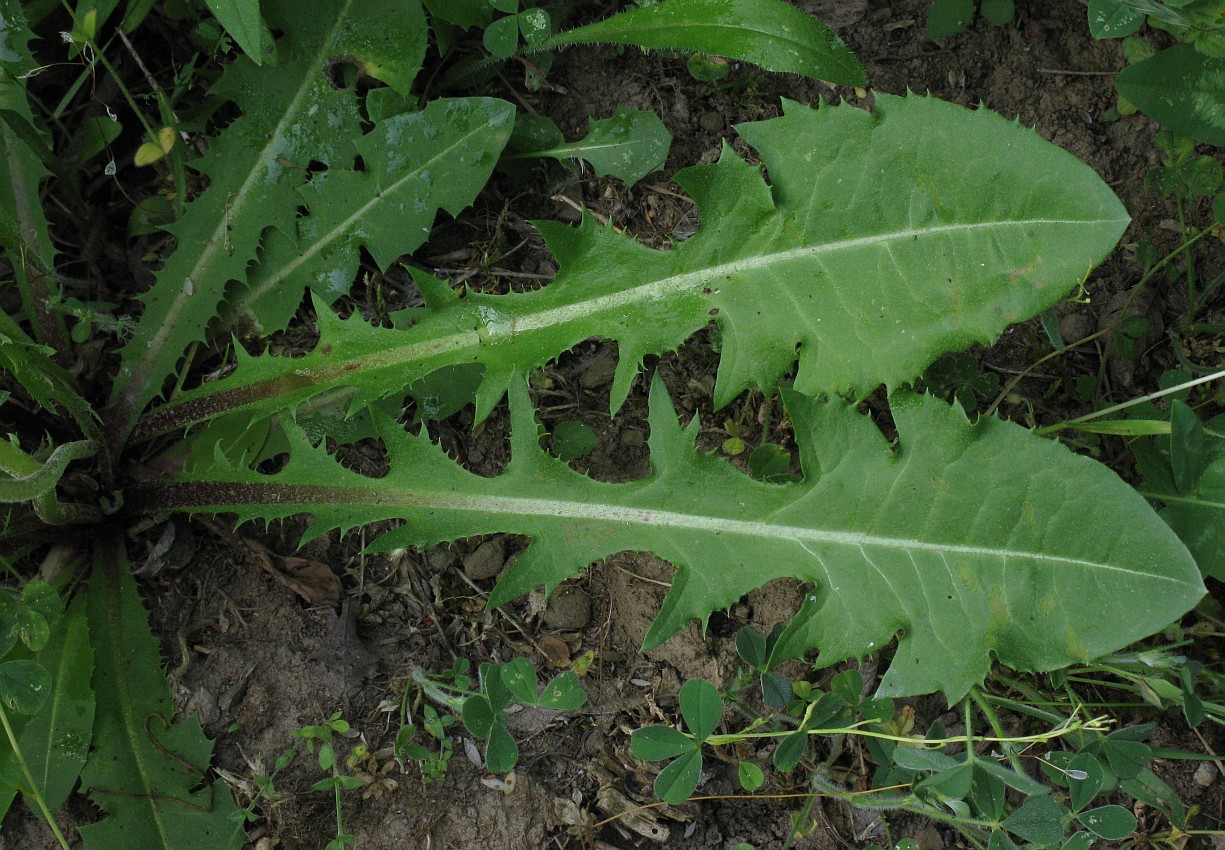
(150, 152)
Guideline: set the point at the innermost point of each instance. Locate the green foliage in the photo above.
(502, 35)
(241, 19)
(876, 244)
(256, 168)
(336, 781)
(286, 208)
(1186, 471)
(573, 439)
(145, 773)
(701, 707)
(948, 584)
(948, 17)
(974, 783)
(432, 761)
(484, 710)
(1200, 23)
(1114, 18)
(434, 755)
(853, 273)
(629, 145)
(1196, 22)
(1182, 174)
(773, 35)
(771, 462)
(54, 740)
(960, 376)
(1183, 89)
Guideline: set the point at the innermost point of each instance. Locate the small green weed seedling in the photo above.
(948, 17)
(432, 759)
(318, 740)
(960, 376)
(501, 37)
(498, 687)
(982, 787)
(1184, 469)
(321, 735)
(432, 756)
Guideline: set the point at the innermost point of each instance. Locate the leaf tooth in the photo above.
(436, 292)
(629, 364)
(495, 384)
(669, 443)
(729, 186)
(524, 427)
(536, 567)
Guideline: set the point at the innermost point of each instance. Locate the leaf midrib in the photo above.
(656, 289)
(497, 326)
(321, 498)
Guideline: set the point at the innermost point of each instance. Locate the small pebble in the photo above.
(931, 839)
(487, 560)
(555, 652)
(1205, 774)
(569, 608)
(440, 558)
(599, 371)
(1075, 326)
(632, 438)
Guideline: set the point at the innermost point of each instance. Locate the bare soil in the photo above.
(256, 663)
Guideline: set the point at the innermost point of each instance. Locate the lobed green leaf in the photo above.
(629, 145)
(880, 246)
(966, 539)
(295, 116)
(414, 164)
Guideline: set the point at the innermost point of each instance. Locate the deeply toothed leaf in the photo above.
(24, 149)
(295, 114)
(768, 33)
(414, 164)
(966, 539)
(884, 241)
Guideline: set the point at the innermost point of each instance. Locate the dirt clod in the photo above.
(569, 608)
(487, 560)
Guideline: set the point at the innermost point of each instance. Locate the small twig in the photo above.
(643, 578)
(600, 217)
(1216, 761)
(662, 190)
(794, 796)
(494, 272)
(519, 627)
(149, 78)
(1077, 73)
